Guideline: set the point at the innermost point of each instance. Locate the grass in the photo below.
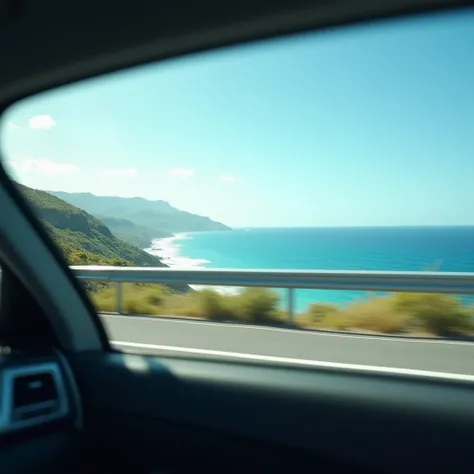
(136, 298)
(400, 313)
(430, 314)
(253, 305)
(377, 314)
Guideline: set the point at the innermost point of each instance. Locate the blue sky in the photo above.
(371, 125)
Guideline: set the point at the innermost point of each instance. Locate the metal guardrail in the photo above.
(420, 282)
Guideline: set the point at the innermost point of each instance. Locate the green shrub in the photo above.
(258, 305)
(103, 301)
(438, 314)
(182, 305)
(336, 321)
(155, 300)
(137, 298)
(377, 314)
(318, 311)
(214, 306)
(138, 306)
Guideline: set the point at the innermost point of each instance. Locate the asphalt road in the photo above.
(158, 335)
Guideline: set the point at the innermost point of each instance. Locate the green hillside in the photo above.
(83, 238)
(139, 220)
(126, 230)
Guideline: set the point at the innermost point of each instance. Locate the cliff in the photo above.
(83, 238)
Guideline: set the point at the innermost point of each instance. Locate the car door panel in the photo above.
(205, 409)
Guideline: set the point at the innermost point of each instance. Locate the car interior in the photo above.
(69, 402)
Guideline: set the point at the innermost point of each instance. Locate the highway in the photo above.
(202, 338)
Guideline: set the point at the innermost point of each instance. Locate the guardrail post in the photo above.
(290, 305)
(118, 296)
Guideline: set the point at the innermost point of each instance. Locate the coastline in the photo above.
(168, 251)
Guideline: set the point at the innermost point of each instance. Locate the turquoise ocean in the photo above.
(342, 248)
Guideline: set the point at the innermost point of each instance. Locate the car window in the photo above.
(260, 201)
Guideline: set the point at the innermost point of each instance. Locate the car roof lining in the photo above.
(50, 43)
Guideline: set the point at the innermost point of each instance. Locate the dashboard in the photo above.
(194, 415)
(40, 412)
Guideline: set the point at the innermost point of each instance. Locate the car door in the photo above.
(91, 382)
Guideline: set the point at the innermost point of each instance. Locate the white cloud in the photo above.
(41, 122)
(228, 177)
(181, 172)
(121, 172)
(42, 166)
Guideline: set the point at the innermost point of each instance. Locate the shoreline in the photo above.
(169, 253)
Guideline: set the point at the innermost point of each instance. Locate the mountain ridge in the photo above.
(138, 220)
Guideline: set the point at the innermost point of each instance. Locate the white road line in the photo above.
(302, 362)
(375, 337)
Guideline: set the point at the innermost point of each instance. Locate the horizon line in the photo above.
(345, 226)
